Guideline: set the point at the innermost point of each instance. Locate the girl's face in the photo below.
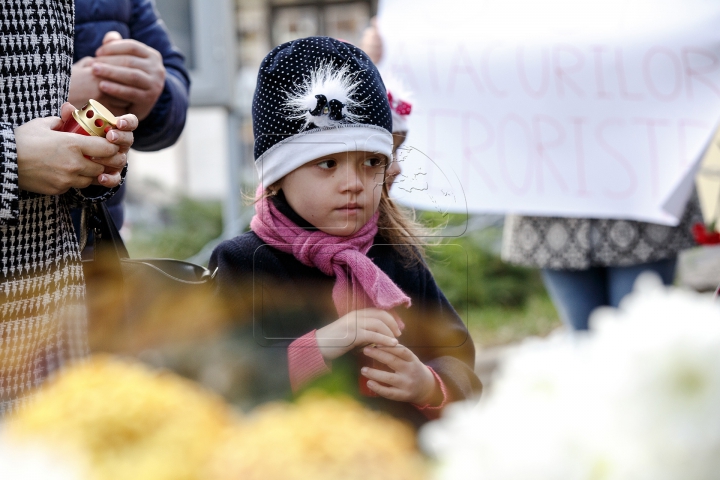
(337, 193)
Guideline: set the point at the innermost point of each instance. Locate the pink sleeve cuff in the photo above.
(433, 412)
(305, 362)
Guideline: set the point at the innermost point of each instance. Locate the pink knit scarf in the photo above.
(357, 278)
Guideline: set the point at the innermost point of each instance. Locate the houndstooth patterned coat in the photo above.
(42, 306)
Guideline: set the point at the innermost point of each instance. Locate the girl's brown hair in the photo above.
(398, 227)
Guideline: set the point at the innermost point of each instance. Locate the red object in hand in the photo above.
(703, 236)
(72, 126)
(91, 120)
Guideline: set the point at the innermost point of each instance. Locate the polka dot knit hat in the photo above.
(317, 96)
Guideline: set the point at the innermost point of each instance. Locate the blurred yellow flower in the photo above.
(319, 438)
(125, 421)
(130, 422)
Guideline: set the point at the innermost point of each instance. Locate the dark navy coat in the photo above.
(137, 19)
(273, 298)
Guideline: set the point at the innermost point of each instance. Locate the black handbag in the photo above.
(136, 304)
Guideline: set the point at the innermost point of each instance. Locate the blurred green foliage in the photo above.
(470, 272)
(500, 303)
(183, 229)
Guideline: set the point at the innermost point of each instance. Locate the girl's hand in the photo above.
(357, 329)
(411, 380)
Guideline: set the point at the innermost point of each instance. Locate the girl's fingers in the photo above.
(383, 355)
(388, 378)
(377, 326)
(401, 352)
(391, 393)
(386, 318)
(371, 337)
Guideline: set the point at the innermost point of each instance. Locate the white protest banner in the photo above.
(589, 108)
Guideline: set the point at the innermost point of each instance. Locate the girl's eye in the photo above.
(327, 164)
(374, 162)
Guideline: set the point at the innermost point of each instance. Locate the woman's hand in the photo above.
(51, 162)
(131, 72)
(410, 381)
(84, 86)
(121, 136)
(357, 329)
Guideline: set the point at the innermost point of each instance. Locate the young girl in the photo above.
(330, 268)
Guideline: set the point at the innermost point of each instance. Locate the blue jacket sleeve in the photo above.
(166, 121)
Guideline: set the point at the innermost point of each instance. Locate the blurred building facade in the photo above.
(224, 42)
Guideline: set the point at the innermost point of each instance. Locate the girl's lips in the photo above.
(350, 209)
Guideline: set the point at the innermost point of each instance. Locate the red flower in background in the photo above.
(704, 235)
(400, 107)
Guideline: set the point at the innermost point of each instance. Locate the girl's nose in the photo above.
(354, 181)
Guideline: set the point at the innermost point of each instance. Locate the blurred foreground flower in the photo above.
(638, 398)
(320, 438)
(126, 421)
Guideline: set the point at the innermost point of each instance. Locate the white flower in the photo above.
(36, 462)
(638, 398)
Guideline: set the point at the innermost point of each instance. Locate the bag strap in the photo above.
(109, 234)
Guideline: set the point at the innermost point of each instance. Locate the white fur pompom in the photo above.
(326, 97)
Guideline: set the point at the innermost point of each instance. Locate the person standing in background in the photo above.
(124, 59)
(585, 263)
(588, 263)
(400, 106)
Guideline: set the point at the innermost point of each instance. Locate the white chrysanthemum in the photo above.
(332, 83)
(36, 462)
(637, 399)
